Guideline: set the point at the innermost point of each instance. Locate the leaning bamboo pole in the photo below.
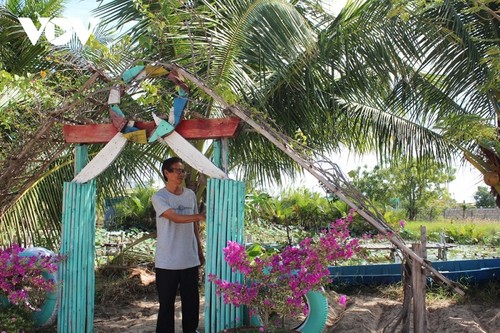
(283, 143)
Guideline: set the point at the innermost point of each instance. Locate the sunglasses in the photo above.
(178, 171)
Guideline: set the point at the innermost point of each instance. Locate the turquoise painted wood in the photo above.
(163, 128)
(179, 106)
(225, 221)
(225, 195)
(131, 73)
(81, 157)
(217, 155)
(76, 273)
(221, 155)
(116, 109)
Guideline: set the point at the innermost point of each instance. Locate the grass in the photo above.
(466, 232)
(117, 287)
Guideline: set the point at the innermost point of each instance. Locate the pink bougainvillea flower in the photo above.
(278, 282)
(20, 275)
(342, 300)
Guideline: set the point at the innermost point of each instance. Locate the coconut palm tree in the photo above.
(362, 80)
(434, 65)
(292, 83)
(327, 81)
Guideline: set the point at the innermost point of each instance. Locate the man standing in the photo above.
(178, 251)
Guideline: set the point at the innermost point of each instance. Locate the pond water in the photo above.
(380, 252)
(473, 252)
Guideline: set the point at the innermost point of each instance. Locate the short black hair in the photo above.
(167, 165)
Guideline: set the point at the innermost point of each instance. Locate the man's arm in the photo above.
(179, 218)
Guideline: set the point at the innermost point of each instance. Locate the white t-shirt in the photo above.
(176, 246)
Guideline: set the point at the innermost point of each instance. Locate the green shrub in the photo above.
(360, 227)
(394, 216)
(136, 210)
(16, 319)
(304, 208)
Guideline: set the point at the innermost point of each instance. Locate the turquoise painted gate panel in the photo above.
(76, 272)
(225, 221)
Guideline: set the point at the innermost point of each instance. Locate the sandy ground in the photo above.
(363, 313)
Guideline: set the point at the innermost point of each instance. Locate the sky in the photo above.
(462, 189)
(80, 8)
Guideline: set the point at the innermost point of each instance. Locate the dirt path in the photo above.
(135, 312)
(362, 314)
(372, 314)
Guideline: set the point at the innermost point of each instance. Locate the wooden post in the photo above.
(220, 155)
(407, 292)
(418, 286)
(423, 242)
(414, 284)
(443, 249)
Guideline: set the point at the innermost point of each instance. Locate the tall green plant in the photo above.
(136, 210)
(259, 206)
(34, 158)
(17, 54)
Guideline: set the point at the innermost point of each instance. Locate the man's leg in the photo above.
(167, 282)
(190, 298)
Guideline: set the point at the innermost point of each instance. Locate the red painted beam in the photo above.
(190, 129)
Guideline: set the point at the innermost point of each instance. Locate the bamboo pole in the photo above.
(225, 204)
(288, 149)
(226, 228)
(220, 259)
(231, 235)
(211, 260)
